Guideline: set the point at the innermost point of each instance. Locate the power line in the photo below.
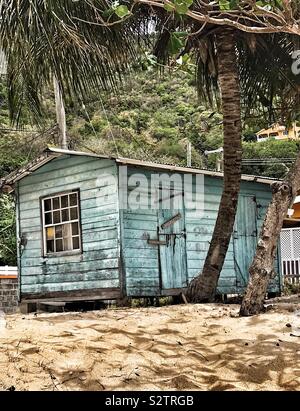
(265, 160)
(109, 126)
(19, 130)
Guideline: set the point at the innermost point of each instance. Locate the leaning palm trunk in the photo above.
(262, 267)
(203, 287)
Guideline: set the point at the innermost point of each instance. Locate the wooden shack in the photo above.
(77, 240)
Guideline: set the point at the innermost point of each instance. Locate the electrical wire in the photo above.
(109, 126)
(10, 130)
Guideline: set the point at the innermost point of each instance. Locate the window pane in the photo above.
(66, 230)
(73, 199)
(64, 201)
(73, 213)
(50, 233)
(50, 246)
(75, 229)
(47, 204)
(67, 243)
(48, 218)
(59, 245)
(56, 205)
(56, 217)
(76, 243)
(65, 215)
(58, 231)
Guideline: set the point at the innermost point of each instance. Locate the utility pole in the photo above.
(60, 115)
(189, 154)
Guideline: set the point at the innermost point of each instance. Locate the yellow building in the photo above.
(279, 132)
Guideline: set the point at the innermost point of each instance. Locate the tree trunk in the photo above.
(262, 267)
(60, 115)
(203, 287)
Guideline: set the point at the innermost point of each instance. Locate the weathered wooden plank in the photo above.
(143, 292)
(109, 224)
(88, 210)
(101, 280)
(136, 244)
(156, 242)
(88, 189)
(200, 227)
(150, 252)
(139, 234)
(33, 248)
(87, 235)
(128, 213)
(172, 291)
(99, 227)
(61, 286)
(142, 272)
(141, 262)
(72, 295)
(31, 220)
(95, 212)
(71, 259)
(227, 271)
(62, 162)
(90, 244)
(67, 173)
(142, 282)
(32, 202)
(213, 197)
(140, 225)
(94, 235)
(141, 217)
(70, 267)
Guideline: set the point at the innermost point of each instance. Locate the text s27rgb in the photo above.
(151, 400)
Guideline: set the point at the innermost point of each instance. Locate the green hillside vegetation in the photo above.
(152, 117)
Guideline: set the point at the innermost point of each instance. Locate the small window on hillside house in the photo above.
(61, 228)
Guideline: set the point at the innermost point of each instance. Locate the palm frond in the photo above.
(41, 38)
(266, 77)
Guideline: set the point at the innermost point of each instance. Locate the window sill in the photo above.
(63, 254)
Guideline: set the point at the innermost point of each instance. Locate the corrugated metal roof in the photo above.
(51, 153)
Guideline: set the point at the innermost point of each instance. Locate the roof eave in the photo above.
(51, 153)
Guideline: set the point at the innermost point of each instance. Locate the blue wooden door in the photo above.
(172, 249)
(244, 238)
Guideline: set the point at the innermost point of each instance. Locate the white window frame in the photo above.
(45, 226)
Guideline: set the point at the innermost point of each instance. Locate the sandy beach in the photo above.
(179, 347)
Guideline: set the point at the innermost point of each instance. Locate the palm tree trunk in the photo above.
(262, 267)
(203, 287)
(60, 115)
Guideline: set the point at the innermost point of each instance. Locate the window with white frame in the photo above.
(61, 228)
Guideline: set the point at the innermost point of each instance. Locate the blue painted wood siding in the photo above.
(199, 232)
(104, 227)
(141, 260)
(98, 265)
